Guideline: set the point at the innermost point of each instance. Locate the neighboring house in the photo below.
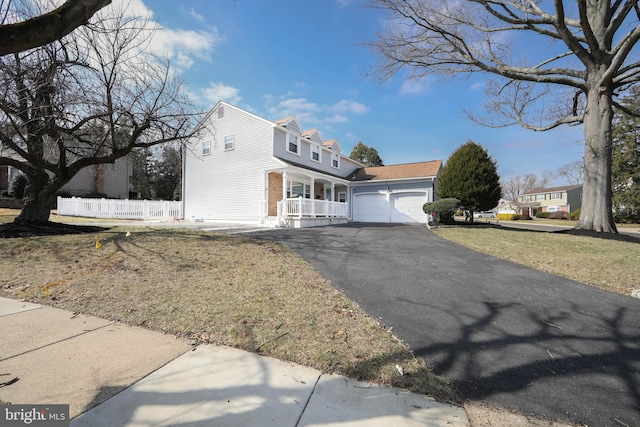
(507, 207)
(113, 180)
(556, 199)
(274, 173)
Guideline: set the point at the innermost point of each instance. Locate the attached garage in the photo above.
(405, 207)
(393, 194)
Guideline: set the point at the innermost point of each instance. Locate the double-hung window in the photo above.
(335, 160)
(292, 147)
(206, 148)
(315, 153)
(229, 142)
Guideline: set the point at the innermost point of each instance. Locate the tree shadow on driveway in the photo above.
(504, 334)
(550, 370)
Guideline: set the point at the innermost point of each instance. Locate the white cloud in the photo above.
(304, 110)
(183, 46)
(195, 15)
(311, 114)
(219, 91)
(478, 86)
(346, 106)
(338, 118)
(415, 87)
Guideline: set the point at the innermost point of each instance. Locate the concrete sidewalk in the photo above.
(116, 375)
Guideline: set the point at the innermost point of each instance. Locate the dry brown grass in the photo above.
(608, 264)
(217, 288)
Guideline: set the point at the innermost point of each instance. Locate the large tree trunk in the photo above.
(38, 199)
(596, 213)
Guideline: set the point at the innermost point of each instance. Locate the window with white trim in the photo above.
(540, 197)
(206, 148)
(342, 196)
(315, 153)
(229, 142)
(556, 196)
(335, 160)
(299, 190)
(292, 145)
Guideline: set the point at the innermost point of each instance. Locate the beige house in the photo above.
(113, 180)
(556, 199)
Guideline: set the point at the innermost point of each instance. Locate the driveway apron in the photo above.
(504, 334)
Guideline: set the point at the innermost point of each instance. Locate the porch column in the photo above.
(283, 211)
(284, 186)
(332, 205)
(312, 195)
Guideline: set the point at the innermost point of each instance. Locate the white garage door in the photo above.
(407, 207)
(403, 208)
(370, 208)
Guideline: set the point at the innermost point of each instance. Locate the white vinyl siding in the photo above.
(229, 185)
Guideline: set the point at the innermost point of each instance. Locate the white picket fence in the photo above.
(120, 209)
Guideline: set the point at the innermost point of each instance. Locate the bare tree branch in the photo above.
(48, 27)
(88, 99)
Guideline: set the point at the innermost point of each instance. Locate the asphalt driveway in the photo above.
(504, 334)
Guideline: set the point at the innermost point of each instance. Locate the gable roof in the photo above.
(330, 143)
(287, 121)
(401, 171)
(313, 135)
(284, 121)
(551, 189)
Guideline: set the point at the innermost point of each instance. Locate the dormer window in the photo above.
(315, 153)
(335, 160)
(292, 146)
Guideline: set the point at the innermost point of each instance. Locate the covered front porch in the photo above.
(298, 197)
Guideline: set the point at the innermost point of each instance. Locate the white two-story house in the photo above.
(244, 168)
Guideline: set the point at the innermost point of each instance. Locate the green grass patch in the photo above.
(608, 264)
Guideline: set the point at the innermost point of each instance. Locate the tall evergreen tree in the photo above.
(366, 155)
(470, 175)
(169, 173)
(625, 171)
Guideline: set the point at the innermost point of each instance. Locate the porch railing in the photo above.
(300, 207)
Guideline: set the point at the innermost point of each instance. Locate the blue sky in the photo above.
(305, 58)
